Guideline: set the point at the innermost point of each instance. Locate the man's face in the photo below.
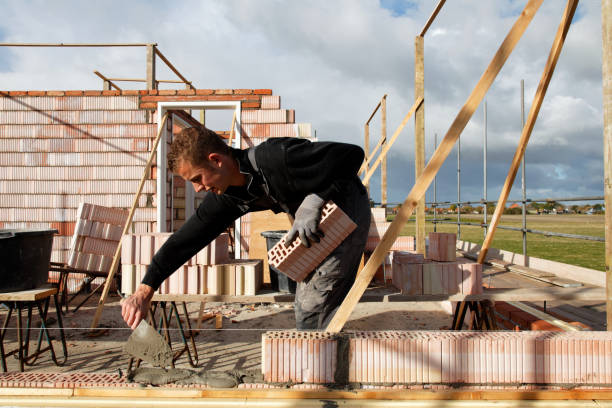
(211, 177)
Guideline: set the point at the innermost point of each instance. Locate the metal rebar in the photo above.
(459, 187)
(435, 182)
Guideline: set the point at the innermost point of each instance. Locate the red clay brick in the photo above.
(55, 93)
(112, 92)
(262, 91)
(92, 93)
(204, 91)
(166, 92)
(254, 105)
(148, 105)
(73, 93)
(65, 228)
(36, 93)
(153, 92)
(18, 93)
(243, 91)
(130, 92)
(185, 92)
(223, 91)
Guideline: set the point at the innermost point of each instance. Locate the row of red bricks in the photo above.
(438, 357)
(161, 92)
(297, 261)
(233, 277)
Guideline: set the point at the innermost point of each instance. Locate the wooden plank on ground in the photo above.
(441, 153)
(549, 69)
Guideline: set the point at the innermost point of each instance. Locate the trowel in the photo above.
(147, 344)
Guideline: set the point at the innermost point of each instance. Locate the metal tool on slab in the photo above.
(147, 344)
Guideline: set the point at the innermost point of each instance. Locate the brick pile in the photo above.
(415, 275)
(297, 261)
(210, 271)
(423, 357)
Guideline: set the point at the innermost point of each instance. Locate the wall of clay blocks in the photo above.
(415, 275)
(297, 261)
(423, 357)
(60, 148)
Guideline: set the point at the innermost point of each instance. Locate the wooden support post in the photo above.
(385, 150)
(419, 138)
(606, 27)
(203, 117)
(383, 138)
(128, 222)
(441, 153)
(151, 82)
(549, 69)
(232, 130)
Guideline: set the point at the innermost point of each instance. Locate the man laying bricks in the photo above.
(281, 174)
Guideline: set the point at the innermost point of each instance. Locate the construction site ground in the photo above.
(237, 346)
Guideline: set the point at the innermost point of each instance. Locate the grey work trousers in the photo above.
(321, 293)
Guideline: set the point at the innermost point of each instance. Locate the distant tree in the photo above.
(575, 209)
(453, 207)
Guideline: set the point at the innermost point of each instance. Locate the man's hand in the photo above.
(306, 223)
(135, 307)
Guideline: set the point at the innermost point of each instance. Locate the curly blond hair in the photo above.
(194, 145)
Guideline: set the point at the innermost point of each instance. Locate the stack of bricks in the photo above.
(415, 275)
(60, 148)
(210, 271)
(296, 260)
(442, 246)
(422, 357)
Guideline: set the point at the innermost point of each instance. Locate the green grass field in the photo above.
(585, 253)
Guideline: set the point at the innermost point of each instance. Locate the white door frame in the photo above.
(162, 173)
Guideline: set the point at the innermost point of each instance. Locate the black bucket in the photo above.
(279, 281)
(25, 255)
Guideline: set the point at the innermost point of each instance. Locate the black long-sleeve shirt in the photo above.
(288, 170)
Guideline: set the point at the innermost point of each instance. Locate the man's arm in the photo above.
(212, 217)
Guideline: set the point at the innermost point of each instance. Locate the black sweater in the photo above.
(289, 170)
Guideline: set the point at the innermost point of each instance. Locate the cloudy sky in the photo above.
(332, 61)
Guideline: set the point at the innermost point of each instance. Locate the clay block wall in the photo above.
(60, 148)
(422, 357)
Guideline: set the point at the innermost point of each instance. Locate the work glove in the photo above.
(306, 222)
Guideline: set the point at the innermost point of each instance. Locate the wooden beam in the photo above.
(419, 137)
(151, 82)
(128, 222)
(383, 138)
(121, 396)
(443, 150)
(544, 316)
(385, 150)
(173, 69)
(75, 45)
(107, 80)
(432, 17)
(549, 69)
(232, 130)
(606, 29)
(368, 159)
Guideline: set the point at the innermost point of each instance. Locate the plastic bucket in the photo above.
(25, 256)
(279, 281)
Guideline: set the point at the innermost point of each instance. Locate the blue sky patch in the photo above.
(398, 8)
